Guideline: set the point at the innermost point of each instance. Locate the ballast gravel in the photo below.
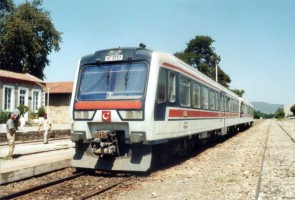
(230, 169)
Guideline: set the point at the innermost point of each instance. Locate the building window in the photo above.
(36, 100)
(8, 94)
(185, 92)
(23, 96)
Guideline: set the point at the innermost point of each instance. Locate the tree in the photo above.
(280, 113)
(238, 92)
(292, 109)
(200, 53)
(6, 6)
(27, 37)
(258, 115)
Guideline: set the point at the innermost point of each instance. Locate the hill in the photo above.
(266, 107)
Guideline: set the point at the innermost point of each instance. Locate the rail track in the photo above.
(258, 186)
(64, 184)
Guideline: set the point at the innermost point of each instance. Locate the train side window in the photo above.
(226, 99)
(212, 100)
(231, 105)
(171, 87)
(221, 102)
(205, 97)
(161, 90)
(184, 92)
(217, 100)
(196, 95)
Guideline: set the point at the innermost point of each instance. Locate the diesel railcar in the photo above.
(132, 106)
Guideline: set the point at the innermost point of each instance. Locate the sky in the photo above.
(255, 38)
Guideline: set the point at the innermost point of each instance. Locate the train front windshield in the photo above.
(112, 81)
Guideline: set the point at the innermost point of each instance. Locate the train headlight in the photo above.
(83, 114)
(131, 114)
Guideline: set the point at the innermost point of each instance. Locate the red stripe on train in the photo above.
(191, 113)
(200, 113)
(98, 105)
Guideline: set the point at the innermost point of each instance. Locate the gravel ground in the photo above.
(278, 177)
(227, 170)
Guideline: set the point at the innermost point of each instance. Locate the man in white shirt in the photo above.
(10, 136)
(46, 124)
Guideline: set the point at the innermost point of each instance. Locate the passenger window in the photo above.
(212, 100)
(217, 101)
(161, 91)
(205, 98)
(196, 95)
(184, 91)
(221, 103)
(171, 87)
(226, 104)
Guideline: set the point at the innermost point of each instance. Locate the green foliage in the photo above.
(238, 92)
(41, 111)
(258, 115)
(6, 6)
(23, 109)
(200, 51)
(3, 117)
(279, 113)
(292, 109)
(27, 37)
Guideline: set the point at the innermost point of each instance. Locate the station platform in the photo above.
(32, 157)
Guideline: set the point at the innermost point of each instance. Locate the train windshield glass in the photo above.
(112, 81)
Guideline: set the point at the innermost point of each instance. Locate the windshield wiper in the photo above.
(106, 72)
(127, 73)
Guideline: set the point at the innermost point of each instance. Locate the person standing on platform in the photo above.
(16, 117)
(46, 124)
(10, 135)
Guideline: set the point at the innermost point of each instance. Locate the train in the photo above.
(132, 107)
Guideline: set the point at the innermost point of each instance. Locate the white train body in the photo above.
(127, 101)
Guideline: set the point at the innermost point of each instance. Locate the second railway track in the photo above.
(76, 186)
(277, 160)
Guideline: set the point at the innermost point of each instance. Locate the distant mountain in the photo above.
(266, 107)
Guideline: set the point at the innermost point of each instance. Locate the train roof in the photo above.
(142, 53)
(177, 62)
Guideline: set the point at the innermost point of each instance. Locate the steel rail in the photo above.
(91, 194)
(39, 187)
(257, 191)
(286, 132)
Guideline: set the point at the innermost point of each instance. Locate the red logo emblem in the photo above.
(106, 116)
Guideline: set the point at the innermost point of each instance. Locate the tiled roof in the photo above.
(59, 87)
(19, 76)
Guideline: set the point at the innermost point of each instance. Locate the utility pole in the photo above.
(216, 71)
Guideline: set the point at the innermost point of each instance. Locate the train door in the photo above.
(222, 113)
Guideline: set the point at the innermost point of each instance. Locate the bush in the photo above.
(23, 109)
(3, 117)
(41, 111)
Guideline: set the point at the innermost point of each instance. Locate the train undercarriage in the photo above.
(111, 151)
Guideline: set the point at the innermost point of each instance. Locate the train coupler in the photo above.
(105, 143)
